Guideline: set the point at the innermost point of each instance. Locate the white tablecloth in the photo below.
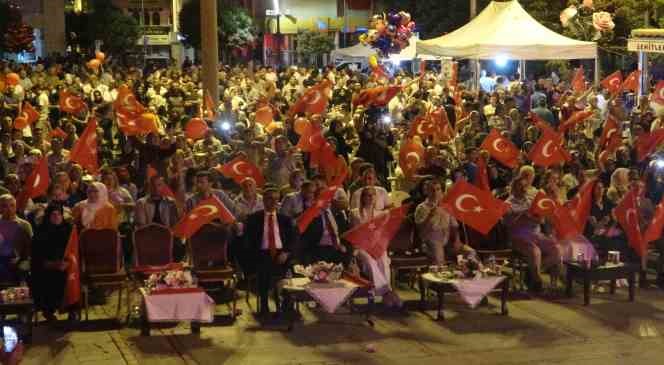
(179, 307)
(330, 296)
(472, 291)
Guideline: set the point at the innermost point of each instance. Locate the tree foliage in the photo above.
(18, 36)
(236, 26)
(312, 45)
(118, 32)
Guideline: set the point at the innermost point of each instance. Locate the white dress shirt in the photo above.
(277, 238)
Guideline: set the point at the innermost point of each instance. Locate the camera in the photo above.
(10, 338)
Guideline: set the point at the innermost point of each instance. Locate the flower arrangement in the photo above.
(583, 22)
(469, 267)
(320, 272)
(170, 279)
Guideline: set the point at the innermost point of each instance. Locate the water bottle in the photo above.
(289, 277)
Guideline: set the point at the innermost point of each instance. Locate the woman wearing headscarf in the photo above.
(48, 266)
(96, 212)
(619, 185)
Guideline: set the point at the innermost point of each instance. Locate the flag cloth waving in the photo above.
(627, 215)
(205, 212)
(375, 235)
(314, 100)
(474, 207)
(501, 149)
(84, 151)
(72, 258)
(36, 184)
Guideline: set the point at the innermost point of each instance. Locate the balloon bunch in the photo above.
(97, 61)
(390, 33)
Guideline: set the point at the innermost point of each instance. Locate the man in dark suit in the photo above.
(271, 241)
(321, 241)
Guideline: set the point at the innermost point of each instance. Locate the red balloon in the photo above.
(12, 79)
(94, 64)
(196, 128)
(301, 125)
(100, 56)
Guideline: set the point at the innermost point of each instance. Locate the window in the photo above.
(156, 18)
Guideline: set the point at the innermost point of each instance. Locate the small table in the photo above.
(586, 275)
(294, 291)
(443, 285)
(24, 309)
(176, 305)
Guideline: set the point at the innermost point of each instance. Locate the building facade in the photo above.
(47, 17)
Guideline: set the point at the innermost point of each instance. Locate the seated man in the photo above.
(437, 228)
(271, 243)
(321, 241)
(16, 236)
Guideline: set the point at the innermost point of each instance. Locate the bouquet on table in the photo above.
(170, 279)
(321, 272)
(470, 267)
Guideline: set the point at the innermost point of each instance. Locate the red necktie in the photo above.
(271, 238)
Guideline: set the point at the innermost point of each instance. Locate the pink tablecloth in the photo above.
(473, 290)
(330, 296)
(177, 307)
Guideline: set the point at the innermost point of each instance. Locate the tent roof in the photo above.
(362, 51)
(506, 29)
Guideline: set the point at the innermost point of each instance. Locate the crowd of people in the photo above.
(126, 192)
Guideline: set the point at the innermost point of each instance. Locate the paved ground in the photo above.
(537, 331)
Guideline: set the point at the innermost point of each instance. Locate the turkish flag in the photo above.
(647, 143)
(474, 207)
(70, 103)
(543, 205)
(324, 156)
(126, 101)
(658, 94)
(540, 123)
(314, 100)
(57, 133)
(411, 156)
(28, 116)
(209, 111)
(205, 212)
(336, 172)
(501, 149)
(610, 139)
(84, 151)
(654, 230)
(323, 199)
(563, 222)
(375, 235)
(165, 190)
(377, 96)
(196, 128)
(239, 169)
(423, 127)
(627, 215)
(311, 140)
(439, 117)
(613, 82)
(36, 184)
(264, 114)
(482, 179)
(73, 282)
(632, 81)
(580, 206)
(576, 118)
(547, 151)
(579, 81)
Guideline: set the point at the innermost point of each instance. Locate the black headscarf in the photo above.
(51, 239)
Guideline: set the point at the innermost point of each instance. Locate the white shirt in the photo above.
(382, 198)
(266, 240)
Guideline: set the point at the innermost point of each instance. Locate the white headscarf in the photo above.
(89, 210)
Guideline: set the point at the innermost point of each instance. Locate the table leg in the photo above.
(570, 284)
(612, 288)
(423, 295)
(632, 286)
(196, 327)
(370, 309)
(145, 324)
(503, 298)
(441, 315)
(586, 289)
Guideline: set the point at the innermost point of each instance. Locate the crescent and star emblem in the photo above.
(410, 156)
(236, 168)
(314, 97)
(37, 181)
(550, 204)
(459, 203)
(610, 133)
(203, 211)
(496, 145)
(545, 150)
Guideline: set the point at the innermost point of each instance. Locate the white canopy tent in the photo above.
(506, 30)
(361, 53)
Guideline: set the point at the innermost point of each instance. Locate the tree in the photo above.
(18, 36)
(312, 45)
(118, 32)
(236, 26)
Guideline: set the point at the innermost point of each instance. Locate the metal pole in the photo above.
(145, 50)
(473, 9)
(597, 70)
(643, 84)
(210, 49)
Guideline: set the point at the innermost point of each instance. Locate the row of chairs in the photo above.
(102, 265)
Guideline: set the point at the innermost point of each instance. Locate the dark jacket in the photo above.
(253, 233)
